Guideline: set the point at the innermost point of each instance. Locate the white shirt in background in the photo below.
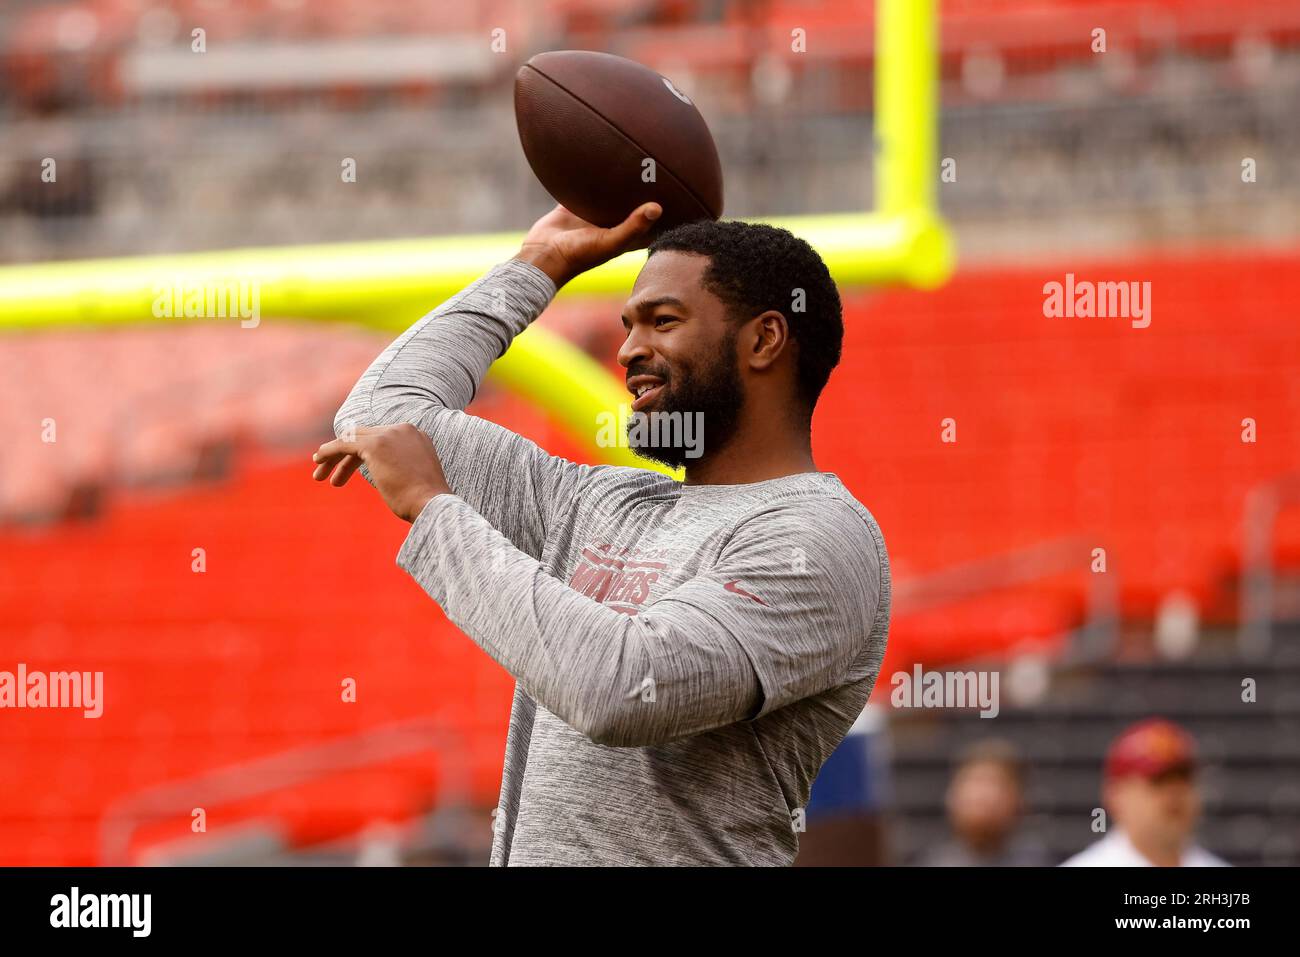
(1116, 850)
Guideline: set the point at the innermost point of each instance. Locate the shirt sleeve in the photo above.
(784, 614)
(432, 372)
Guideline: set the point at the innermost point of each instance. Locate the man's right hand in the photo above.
(563, 246)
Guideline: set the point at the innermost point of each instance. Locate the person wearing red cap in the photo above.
(1150, 792)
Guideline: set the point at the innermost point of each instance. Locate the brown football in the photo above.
(605, 134)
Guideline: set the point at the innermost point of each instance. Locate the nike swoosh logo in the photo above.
(733, 587)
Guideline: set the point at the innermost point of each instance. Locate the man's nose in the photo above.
(634, 347)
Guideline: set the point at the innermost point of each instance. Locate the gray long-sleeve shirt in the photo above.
(686, 656)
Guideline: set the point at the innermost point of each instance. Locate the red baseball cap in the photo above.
(1149, 749)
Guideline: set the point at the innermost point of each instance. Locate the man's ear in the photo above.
(769, 338)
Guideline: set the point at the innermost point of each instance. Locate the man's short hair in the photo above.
(1001, 754)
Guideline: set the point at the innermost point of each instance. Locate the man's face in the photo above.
(983, 803)
(681, 349)
(1161, 810)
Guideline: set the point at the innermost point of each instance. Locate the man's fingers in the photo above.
(327, 466)
(337, 460)
(646, 214)
(335, 449)
(344, 471)
(634, 231)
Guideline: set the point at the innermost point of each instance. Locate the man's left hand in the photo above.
(401, 460)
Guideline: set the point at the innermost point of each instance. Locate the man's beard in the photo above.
(710, 397)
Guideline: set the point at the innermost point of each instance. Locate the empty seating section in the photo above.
(1129, 438)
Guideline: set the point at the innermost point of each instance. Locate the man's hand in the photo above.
(401, 460)
(563, 246)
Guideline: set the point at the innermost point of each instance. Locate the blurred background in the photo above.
(1171, 158)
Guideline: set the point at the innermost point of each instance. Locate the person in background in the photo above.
(1149, 790)
(985, 803)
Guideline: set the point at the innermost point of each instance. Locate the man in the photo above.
(985, 803)
(1150, 791)
(686, 654)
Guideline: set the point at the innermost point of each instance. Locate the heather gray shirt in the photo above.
(686, 657)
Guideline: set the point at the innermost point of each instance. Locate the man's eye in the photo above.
(660, 320)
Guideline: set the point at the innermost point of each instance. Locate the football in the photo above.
(604, 134)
